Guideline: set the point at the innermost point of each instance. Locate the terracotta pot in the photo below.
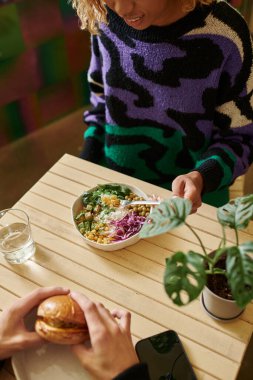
(219, 308)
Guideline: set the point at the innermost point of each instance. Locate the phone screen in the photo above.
(165, 357)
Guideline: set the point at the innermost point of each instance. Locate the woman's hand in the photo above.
(13, 334)
(189, 186)
(111, 350)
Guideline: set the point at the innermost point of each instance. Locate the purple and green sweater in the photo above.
(173, 99)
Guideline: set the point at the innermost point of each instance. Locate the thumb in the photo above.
(32, 339)
(178, 187)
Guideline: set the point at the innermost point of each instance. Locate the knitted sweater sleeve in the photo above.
(231, 150)
(94, 118)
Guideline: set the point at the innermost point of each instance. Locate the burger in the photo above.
(61, 320)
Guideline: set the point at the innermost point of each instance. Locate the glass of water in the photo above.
(16, 242)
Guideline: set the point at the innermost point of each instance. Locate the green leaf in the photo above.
(240, 273)
(93, 197)
(171, 213)
(184, 277)
(237, 213)
(247, 246)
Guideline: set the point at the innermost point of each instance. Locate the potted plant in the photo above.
(222, 276)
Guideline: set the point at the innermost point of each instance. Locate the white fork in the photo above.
(126, 202)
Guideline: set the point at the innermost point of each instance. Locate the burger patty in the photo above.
(61, 324)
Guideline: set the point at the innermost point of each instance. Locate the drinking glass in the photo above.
(16, 242)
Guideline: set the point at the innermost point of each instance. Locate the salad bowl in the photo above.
(102, 221)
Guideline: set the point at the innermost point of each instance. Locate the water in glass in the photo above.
(16, 243)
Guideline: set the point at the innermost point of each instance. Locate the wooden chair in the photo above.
(243, 185)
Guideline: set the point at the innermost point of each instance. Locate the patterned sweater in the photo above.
(173, 99)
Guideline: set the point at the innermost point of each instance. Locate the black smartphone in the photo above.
(165, 357)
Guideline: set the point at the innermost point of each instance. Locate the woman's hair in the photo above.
(189, 5)
(92, 12)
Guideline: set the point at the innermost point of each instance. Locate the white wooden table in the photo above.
(130, 278)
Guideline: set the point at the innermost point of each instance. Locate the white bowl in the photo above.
(77, 206)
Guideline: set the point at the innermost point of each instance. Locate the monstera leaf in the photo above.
(184, 277)
(237, 213)
(240, 272)
(170, 214)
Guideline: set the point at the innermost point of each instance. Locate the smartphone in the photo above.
(165, 357)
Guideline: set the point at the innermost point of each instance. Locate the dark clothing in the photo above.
(137, 372)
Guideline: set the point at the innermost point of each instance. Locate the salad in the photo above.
(103, 220)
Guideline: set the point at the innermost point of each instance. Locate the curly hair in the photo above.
(92, 12)
(189, 5)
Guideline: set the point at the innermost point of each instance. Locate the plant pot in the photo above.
(216, 297)
(219, 308)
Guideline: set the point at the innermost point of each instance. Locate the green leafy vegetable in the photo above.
(102, 220)
(94, 197)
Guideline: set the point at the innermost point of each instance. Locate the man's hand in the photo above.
(189, 186)
(111, 350)
(13, 334)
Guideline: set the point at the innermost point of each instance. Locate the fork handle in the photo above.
(147, 202)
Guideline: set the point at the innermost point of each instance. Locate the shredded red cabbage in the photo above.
(127, 226)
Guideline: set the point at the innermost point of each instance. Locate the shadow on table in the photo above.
(246, 369)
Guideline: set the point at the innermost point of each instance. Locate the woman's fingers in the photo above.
(189, 186)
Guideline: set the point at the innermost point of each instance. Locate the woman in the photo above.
(171, 89)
